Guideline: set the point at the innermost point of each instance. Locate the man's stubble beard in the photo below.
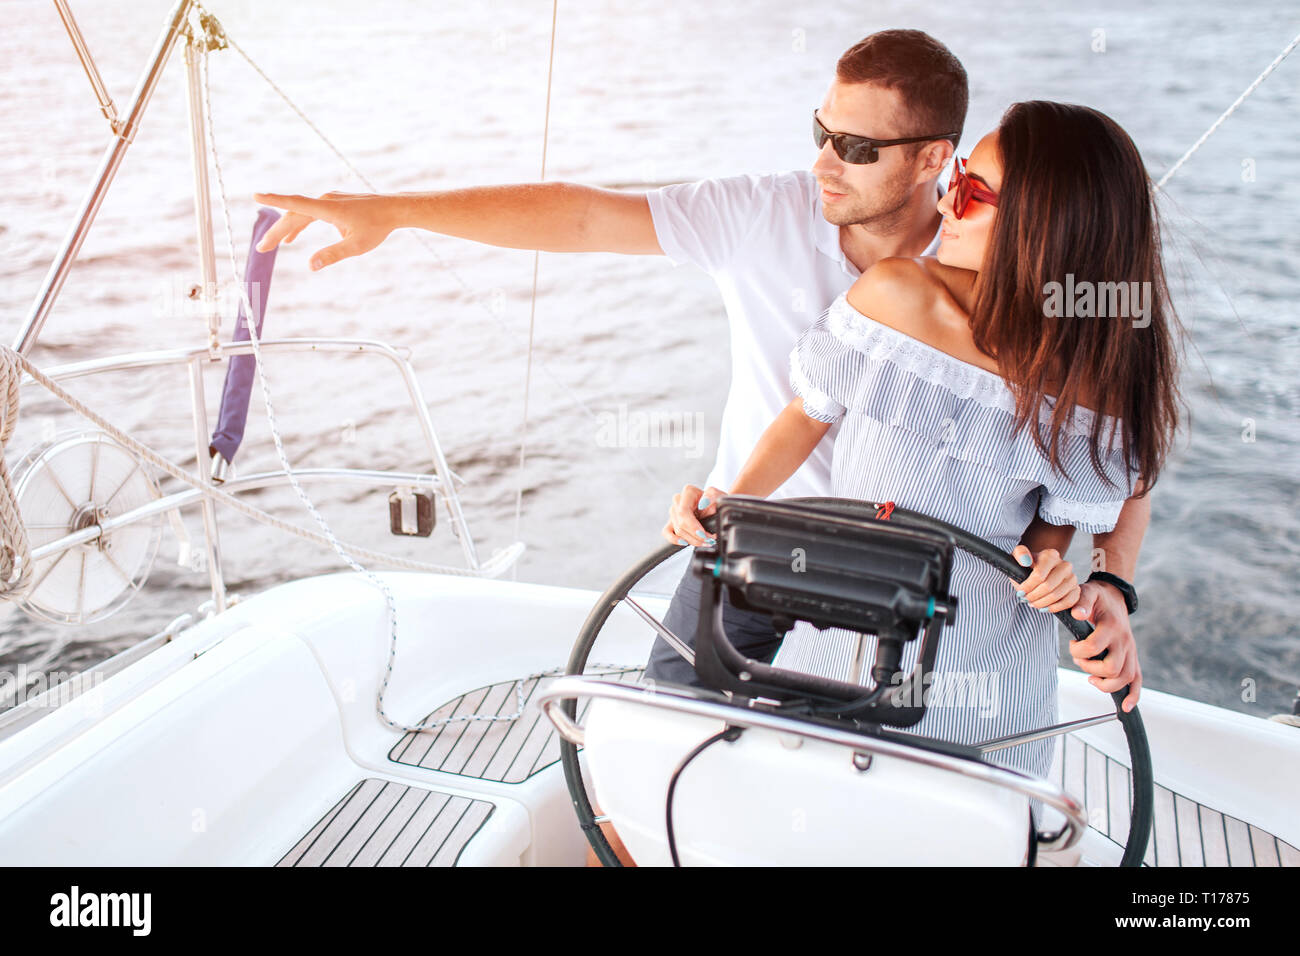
(884, 215)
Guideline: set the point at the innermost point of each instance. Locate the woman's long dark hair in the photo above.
(1076, 206)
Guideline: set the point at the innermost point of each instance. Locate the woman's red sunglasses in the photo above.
(964, 189)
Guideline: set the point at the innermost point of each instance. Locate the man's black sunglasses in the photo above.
(861, 150)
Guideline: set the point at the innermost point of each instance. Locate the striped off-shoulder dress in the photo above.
(933, 433)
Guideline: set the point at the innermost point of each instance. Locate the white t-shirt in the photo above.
(779, 265)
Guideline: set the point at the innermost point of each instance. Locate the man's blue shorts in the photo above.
(752, 633)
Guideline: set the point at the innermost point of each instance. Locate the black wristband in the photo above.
(1124, 588)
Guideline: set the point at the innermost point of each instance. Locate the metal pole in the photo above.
(88, 63)
(450, 496)
(209, 508)
(116, 151)
(203, 195)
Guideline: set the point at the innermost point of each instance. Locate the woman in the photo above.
(969, 394)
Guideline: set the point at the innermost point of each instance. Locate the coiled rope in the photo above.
(15, 549)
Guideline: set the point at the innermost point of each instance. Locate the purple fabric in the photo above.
(239, 375)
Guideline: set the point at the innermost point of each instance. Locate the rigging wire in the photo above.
(532, 307)
(1228, 112)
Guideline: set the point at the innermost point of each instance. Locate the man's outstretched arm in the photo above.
(552, 217)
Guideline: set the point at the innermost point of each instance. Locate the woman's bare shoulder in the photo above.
(911, 294)
(922, 298)
(890, 291)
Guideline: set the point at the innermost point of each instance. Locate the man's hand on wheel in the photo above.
(359, 218)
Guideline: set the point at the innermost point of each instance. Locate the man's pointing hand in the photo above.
(358, 217)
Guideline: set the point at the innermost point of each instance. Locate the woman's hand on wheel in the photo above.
(1103, 607)
(689, 506)
(1052, 585)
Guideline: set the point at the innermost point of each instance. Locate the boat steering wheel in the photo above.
(1143, 788)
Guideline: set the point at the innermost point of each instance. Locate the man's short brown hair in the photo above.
(930, 79)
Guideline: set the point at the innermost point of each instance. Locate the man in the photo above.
(781, 247)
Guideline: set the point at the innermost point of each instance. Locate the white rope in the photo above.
(532, 308)
(15, 549)
(1228, 112)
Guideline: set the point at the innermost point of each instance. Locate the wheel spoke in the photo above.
(1011, 740)
(59, 485)
(125, 577)
(46, 573)
(128, 477)
(94, 470)
(81, 585)
(671, 639)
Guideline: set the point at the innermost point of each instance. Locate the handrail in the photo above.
(680, 700)
(262, 479)
(154, 358)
